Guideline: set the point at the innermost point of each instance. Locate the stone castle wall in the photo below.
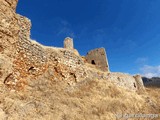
(26, 58)
(22, 60)
(126, 80)
(34, 58)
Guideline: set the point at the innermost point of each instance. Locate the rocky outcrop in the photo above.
(12, 3)
(151, 82)
(9, 35)
(139, 83)
(9, 28)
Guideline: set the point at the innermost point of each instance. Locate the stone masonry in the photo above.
(68, 43)
(98, 58)
(22, 59)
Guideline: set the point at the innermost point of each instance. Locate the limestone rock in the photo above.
(139, 82)
(12, 3)
(5, 67)
(3, 116)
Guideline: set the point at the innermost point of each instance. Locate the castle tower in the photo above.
(98, 58)
(68, 43)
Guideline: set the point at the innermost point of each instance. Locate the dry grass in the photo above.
(88, 100)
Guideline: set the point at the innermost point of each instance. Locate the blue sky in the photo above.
(129, 30)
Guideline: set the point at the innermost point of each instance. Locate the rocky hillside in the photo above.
(151, 82)
(45, 83)
(90, 99)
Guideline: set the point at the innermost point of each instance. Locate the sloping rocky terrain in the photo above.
(49, 83)
(88, 100)
(151, 82)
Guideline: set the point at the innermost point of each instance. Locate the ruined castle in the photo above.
(22, 59)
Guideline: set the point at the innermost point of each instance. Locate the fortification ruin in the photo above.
(98, 58)
(68, 43)
(22, 60)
